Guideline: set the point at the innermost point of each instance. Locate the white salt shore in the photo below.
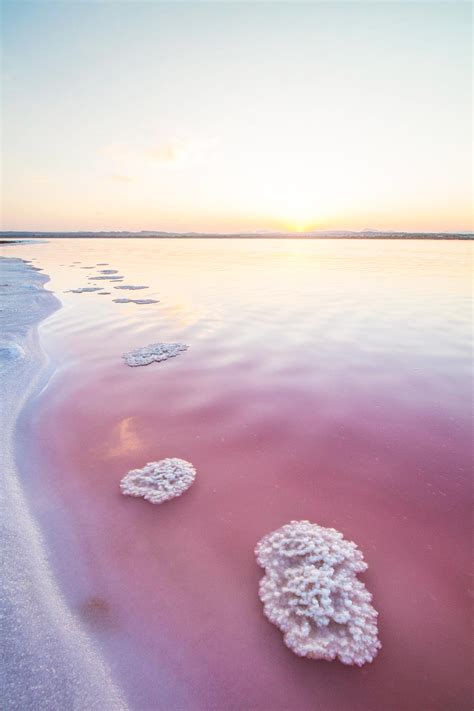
(48, 661)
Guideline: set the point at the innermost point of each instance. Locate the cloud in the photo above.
(133, 159)
(171, 152)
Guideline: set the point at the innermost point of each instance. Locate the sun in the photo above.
(298, 212)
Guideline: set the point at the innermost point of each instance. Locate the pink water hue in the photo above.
(324, 380)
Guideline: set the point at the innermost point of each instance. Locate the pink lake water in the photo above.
(325, 380)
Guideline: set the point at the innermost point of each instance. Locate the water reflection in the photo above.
(324, 380)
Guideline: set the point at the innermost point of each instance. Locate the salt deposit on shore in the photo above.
(48, 661)
(130, 287)
(155, 352)
(311, 592)
(159, 481)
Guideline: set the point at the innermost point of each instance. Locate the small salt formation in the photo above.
(310, 590)
(130, 287)
(10, 351)
(135, 301)
(155, 352)
(84, 289)
(159, 481)
(107, 277)
(108, 271)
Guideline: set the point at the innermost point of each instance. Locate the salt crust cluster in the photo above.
(135, 301)
(310, 590)
(159, 481)
(155, 352)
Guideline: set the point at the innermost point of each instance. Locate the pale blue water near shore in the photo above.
(324, 380)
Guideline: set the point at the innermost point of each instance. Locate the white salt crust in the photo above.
(310, 590)
(48, 660)
(154, 353)
(135, 301)
(159, 481)
(84, 289)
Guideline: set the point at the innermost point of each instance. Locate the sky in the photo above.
(236, 116)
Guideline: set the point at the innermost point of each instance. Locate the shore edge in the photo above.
(48, 661)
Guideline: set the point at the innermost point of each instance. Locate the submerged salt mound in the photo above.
(135, 301)
(155, 352)
(159, 481)
(109, 271)
(310, 590)
(84, 289)
(110, 277)
(130, 287)
(10, 351)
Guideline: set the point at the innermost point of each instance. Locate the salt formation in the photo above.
(159, 481)
(130, 287)
(135, 301)
(107, 278)
(83, 289)
(310, 590)
(10, 351)
(109, 271)
(155, 352)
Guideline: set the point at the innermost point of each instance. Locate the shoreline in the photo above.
(27, 238)
(48, 661)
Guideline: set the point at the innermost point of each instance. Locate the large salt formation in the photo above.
(155, 352)
(311, 592)
(159, 481)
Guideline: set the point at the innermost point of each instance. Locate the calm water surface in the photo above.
(325, 380)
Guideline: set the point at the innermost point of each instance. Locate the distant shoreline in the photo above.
(14, 237)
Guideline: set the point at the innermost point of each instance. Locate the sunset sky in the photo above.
(236, 116)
